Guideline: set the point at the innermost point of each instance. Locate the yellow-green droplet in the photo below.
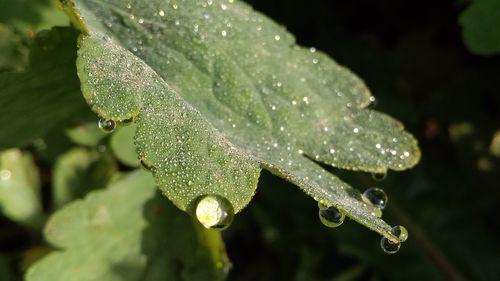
(400, 232)
(330, 216)
(106, 126)
(215, 212)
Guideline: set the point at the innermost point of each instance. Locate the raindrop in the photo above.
(376, 197)
(388, 246)
(215, 212)
(106, 126)
(379, 176)
(400, 232)
(330, 216)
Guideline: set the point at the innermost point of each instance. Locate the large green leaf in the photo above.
(480, 23)
(219, 91)
(46, 95)
(128, 233)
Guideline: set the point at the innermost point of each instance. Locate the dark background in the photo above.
(412, 56)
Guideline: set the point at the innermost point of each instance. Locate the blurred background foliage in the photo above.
(434, 65)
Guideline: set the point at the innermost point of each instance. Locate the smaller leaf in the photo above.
(20, 188)
(87, 134)
(480, 22)
(123, 147)
(80, 171)
(128, 233)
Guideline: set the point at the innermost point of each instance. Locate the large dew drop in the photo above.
(376, 197)
(388, 246)
(106, 126)
(215, 212)
(330, 216)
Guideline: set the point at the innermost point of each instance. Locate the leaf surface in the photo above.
(127, 233)
(218, 92)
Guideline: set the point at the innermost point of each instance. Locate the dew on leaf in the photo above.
(376, 197)
(105, 125)
(388, 246)
(400, 232)
(330, 216)
(215, 212)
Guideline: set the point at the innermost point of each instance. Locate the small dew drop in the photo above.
(277, 37)
(400, 232)
(223, 33)
(376, 197)
(161, 13)
(388, 246)
(330, 216)
(106, 126)
(214, 212)
(379, 176)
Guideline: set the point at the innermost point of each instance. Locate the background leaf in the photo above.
(221, 91)
(123, 147)
(119, 240)
(30, 16)
(78, 172)
(20, 197)
(479, 22)
(51, 81)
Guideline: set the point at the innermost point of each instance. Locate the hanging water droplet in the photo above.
(400, 232)
(106, 126)
(213, 211)
(376, 197)
(388, 246)
(330, 216)
(379, 176)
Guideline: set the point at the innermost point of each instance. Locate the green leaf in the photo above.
(87, 134)
(78, 172)
(220, 91)
(123, 147)
(31, 16)
(14, 53)
(20, 188)
(44, 97)
(127, 233)
(480, 22)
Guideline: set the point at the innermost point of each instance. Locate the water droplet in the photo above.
(376, 197)
(161, 13)
(330, 216)
(106, 126)
(400, 232)
(388, 246)
(379, 176)
(213, 211)
(277, 37)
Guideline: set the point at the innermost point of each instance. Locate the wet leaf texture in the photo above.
(218, 92)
